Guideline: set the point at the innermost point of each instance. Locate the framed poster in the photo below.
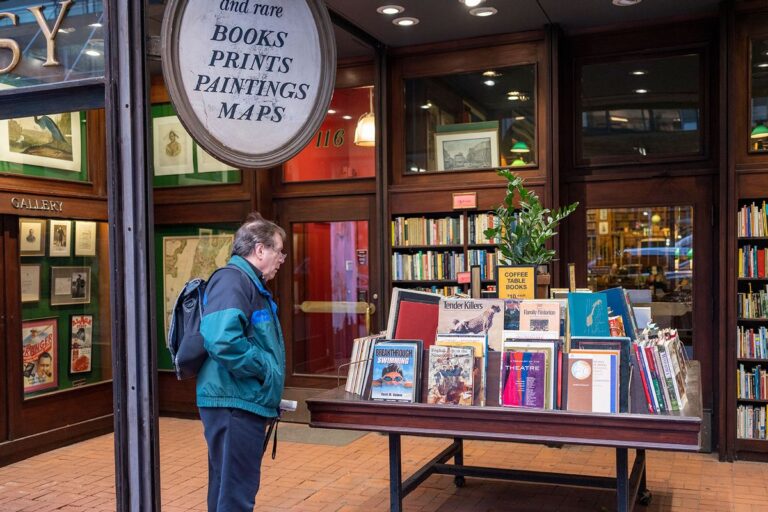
(172, 147)
(80, 343)
(516, 281)
(207, 163)
(51, 141)
(39, 340)
(32, 237)
(85, 238)
(29, 278)
(60, 238)
(70, 285)
(602, 228)
(467, 146)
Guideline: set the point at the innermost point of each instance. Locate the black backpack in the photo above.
(185, 342)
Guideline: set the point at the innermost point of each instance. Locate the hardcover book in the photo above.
(413, 315)
(588, 314)
(550, 349)
(523, 379)
(478, 344)
(451, 375)
(512, 314)
(540, 316)
(619, 304)
(395, 371)
(473, 316)
(623, 345)
(593, 381)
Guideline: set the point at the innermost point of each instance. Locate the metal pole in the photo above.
(134, 358)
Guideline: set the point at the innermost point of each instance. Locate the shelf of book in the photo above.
(753, 400)
(753, 279)
(750, 360)
(418, 282)
(435, 247)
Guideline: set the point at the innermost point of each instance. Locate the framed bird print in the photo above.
(48, 146)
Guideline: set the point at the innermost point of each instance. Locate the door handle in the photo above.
(328, 306)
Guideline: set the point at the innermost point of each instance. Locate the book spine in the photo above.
(638, 358)
(669, 378)
(657, 390)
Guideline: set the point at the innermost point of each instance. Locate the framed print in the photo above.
(32, 237)
(60, 238)
(85, 238)
(206, 163)
(516, 281)
(602, 228)
(30, 283)
(467, 146)
(172, 153)
(603, 214)
(39, 339)
(51, 141)
(80, 343)
(70, 285)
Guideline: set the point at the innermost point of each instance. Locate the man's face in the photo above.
(44, 367)
(270, 258)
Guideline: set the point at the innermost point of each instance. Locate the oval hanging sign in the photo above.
(250, 81)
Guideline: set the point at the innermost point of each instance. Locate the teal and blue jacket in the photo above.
(246, 367)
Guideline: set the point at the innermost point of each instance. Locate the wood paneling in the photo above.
(3, 336)
(176, 397)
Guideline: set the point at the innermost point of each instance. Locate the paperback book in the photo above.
(395, 373)
(593, 381)
(523, 379)
(540, 316)
(473, 316)
(588, 314)
(478, 344)
(550, 350)
(451, 375)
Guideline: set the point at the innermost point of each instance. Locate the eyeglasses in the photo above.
(280, 255)
(387, 378)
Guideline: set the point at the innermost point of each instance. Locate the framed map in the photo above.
(189, 257)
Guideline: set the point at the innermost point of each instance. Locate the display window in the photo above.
(758, 134)
(65, 328)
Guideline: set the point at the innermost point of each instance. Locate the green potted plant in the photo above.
(522, 233)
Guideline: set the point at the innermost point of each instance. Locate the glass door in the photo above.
(327, 296)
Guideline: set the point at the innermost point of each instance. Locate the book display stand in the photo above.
(674, 432)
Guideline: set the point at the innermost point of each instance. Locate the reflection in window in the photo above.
(648, 251)
(759, 102)
(634, 109)
(65, 326)
(334, 153)
(479, 120)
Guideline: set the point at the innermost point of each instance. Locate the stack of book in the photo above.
(360, 364)
(663, 369)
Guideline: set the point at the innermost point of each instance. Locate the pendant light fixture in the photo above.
(365, 132)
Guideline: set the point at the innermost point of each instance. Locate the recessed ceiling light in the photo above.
(67, 30)
(763, 65)
(405, 21)
(641, 91)
(390, 9)
(331, 111)
(471, 3)
(491, 73)
(626, 3)
(346, 117)
(427, 105)
(483, 11)
(639, 72)
(489, 83)
(520, 118)
(95, 25)
(93, 53)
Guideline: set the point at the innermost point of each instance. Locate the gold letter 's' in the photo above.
(10, 44)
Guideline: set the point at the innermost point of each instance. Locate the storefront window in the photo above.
(636, 109)
(480, 120)
(77, 48)
(65, 328)
(52, 146)
(648, 251)
(344, 146)
(758, 135)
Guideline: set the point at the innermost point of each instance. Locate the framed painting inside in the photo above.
(467, 146)
(48, 146)
(32, 237)
(70, 285)
(85, 238)
(30, 283)
(172, 147)
(60, 243)
(39, 339)
(80, 343)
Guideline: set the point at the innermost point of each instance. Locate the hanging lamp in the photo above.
(520, 147)
(365, 132)
(759, 132)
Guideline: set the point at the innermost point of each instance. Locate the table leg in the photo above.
(622, 480)
(458, 460)
(395, 474)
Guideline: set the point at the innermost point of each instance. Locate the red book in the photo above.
(413, 316)
(761, 263)
(639, 360)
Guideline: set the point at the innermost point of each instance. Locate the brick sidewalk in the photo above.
(313, 477)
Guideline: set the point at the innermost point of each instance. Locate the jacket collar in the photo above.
(243, 264)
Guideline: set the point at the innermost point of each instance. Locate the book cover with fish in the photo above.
(588, 314)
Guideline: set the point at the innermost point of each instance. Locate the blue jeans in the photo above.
(235, 447)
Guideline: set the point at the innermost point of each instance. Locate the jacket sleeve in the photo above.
(225, 323)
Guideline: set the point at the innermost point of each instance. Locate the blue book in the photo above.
(618, 303)
(588, 314)
(395, 371)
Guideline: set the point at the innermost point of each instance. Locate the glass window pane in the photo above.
(330, 291)
(343, 148)
(78, 49)
(648, 251)
(479, 120)
(64, 276)
(639, 108)
(759, 102)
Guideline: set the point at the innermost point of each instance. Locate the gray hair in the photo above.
(255, 230)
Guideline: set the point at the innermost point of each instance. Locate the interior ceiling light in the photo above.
(346, 117)
(95, 25)
(626, 3)
(405, 21)
(641, 91)
(67, 30)
(390, 9)
(365, 131)
(639, 72)
(763, 65)
(427, 105)
(520, 118)
(483, 11)
(489, 83)
(331, 111)
(491, 73)
(471, 3)
(619, 119)
(93, 53)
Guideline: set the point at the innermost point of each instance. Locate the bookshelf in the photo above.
(427, 251)
(751, 372)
